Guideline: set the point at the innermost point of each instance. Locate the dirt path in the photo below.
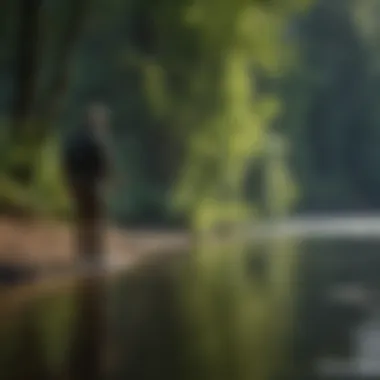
(47, 242)
(44, 244)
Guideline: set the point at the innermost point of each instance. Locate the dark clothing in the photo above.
(85, 165)
(89, 209)
(84, 158)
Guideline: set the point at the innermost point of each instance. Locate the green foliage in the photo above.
(212, 86)
(48, 186)
(44, 193)
(206, 98)
(192, 104)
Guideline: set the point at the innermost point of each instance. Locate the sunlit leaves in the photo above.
(48, 187)
(211, 104)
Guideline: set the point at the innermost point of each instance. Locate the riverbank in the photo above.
(40, 243)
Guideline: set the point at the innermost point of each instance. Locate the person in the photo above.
(89, 167)
(86, 161)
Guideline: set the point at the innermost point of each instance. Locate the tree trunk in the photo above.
(30, 127)
(26, 64)
(50, 104)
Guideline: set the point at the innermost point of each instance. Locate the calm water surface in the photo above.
(130, 326)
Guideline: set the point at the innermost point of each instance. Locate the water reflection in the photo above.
(92, 328)
(239, 314)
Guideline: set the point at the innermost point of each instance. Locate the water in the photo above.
(300, 309)
(125, 321)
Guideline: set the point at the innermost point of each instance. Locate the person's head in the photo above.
(98, 116)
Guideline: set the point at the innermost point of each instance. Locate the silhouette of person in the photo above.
(87, 168)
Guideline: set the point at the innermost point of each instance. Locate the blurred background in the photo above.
(246, 145)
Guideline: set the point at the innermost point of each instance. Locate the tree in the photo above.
(330, 112)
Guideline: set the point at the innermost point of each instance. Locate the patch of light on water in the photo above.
(320, 227)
